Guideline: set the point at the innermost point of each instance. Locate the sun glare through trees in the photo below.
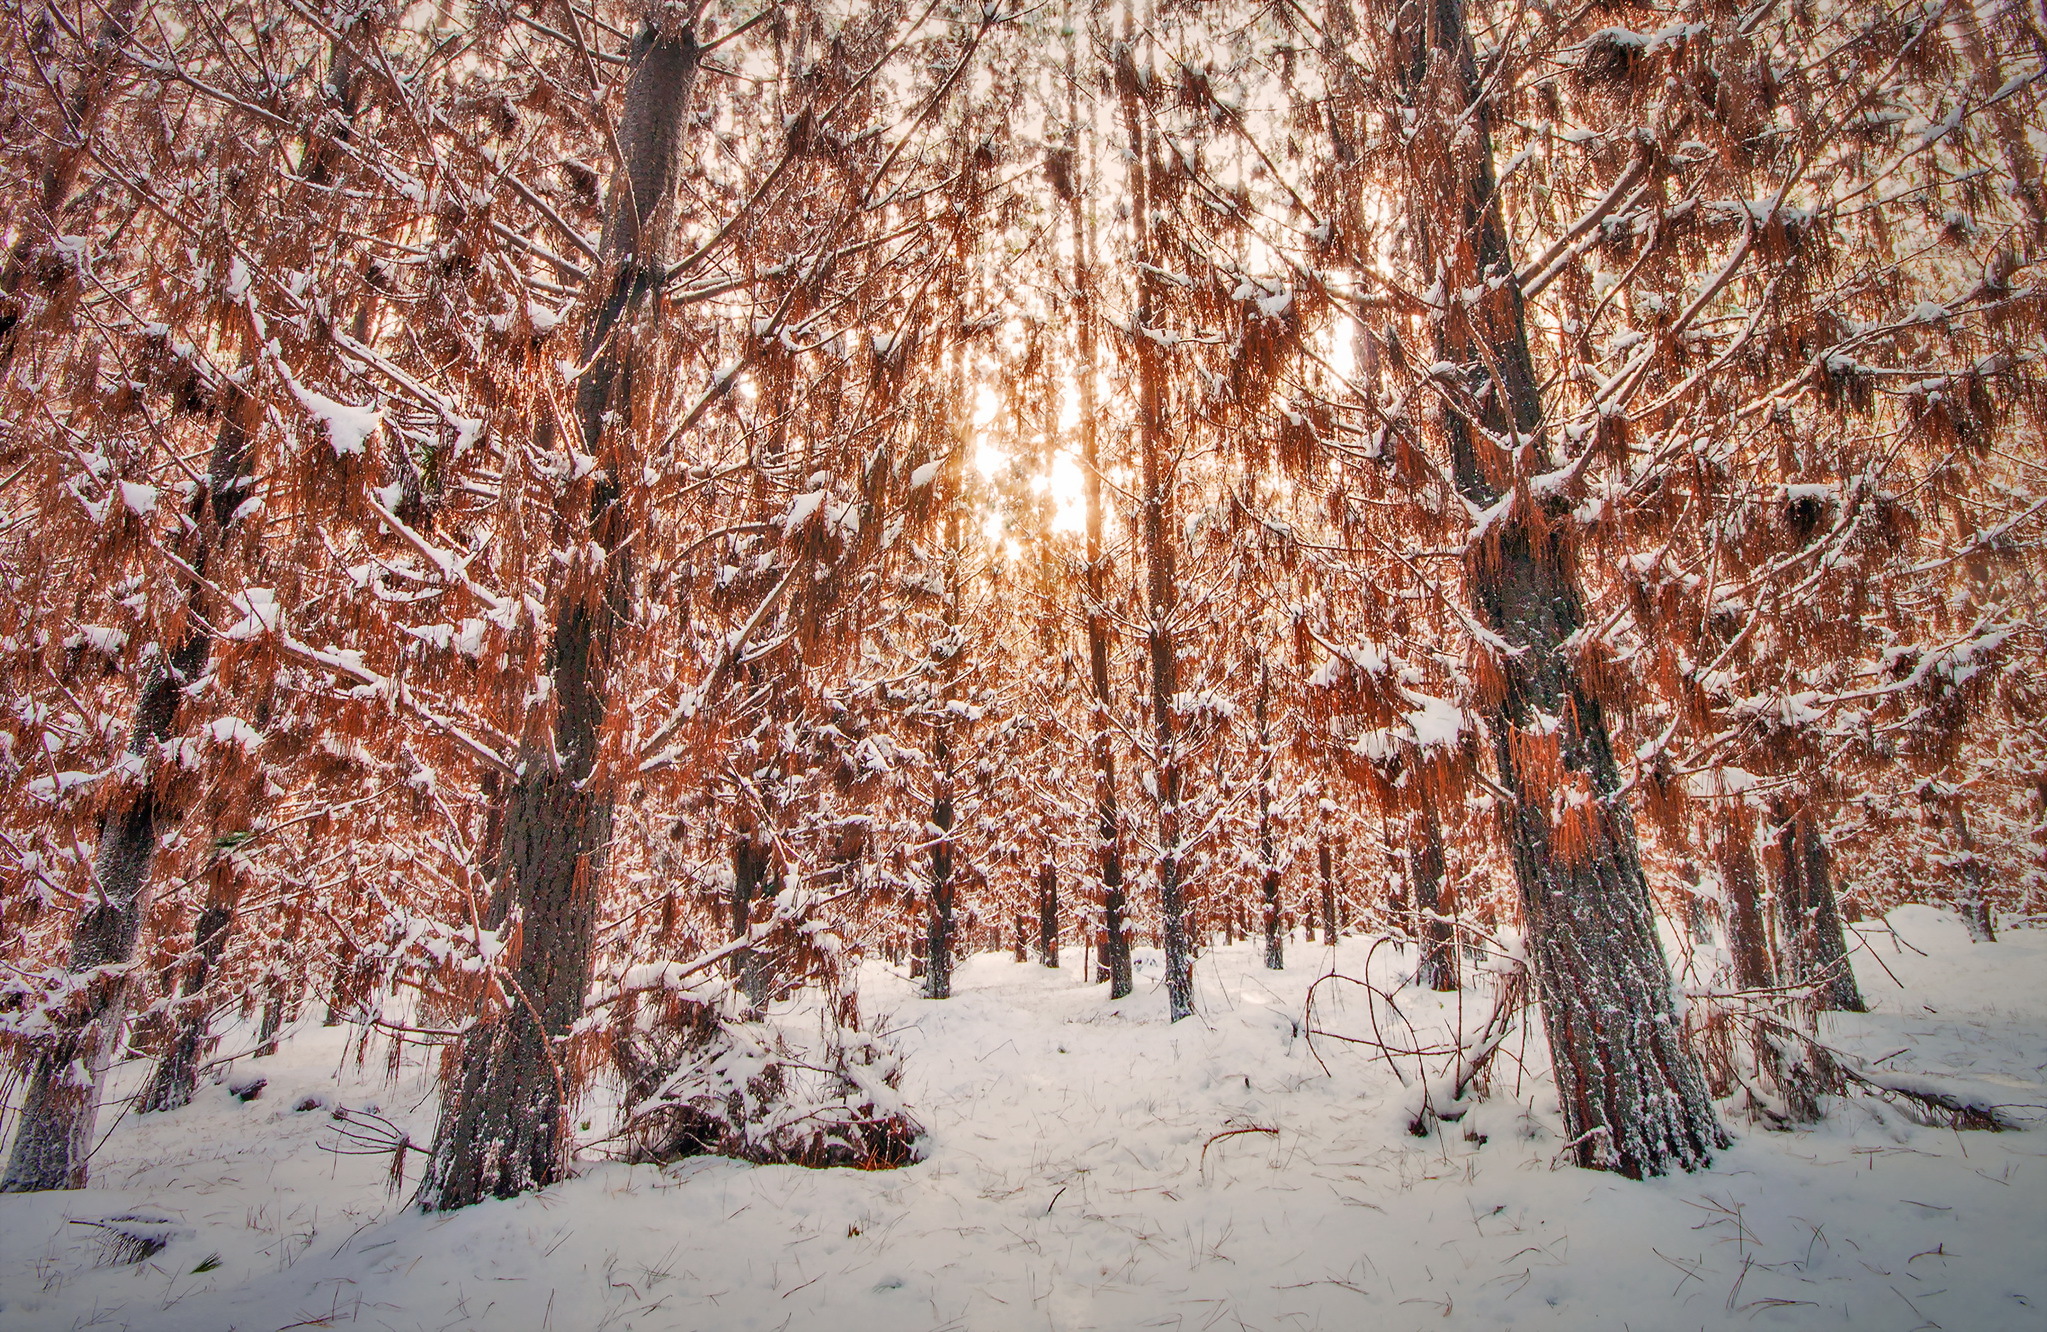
(690, 586)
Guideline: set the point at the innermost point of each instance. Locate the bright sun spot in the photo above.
(1064, 482)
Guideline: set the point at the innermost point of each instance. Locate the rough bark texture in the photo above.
(1161, 577)
(1114, 952)
(1814, 947)
(1268, 883)
(177, 1072)
(1048, 914)
(1633, 1095)
(1748, 940)
(1786, 1072)
(749, 876)
(504, 1118)
(1325, 861)
(938, 920)
(1438, 970)
(1973, 902)
(65, 1080)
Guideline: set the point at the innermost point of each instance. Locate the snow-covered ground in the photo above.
(1083, 1172)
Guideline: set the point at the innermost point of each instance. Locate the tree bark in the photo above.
(67, 1076)
(749, 877)
(1269, 879)
(1632, 1093)
(1048, 914)
(1438, 970)
(938, 922)
(1325, 862)
(1973, 903)
(1114, 950)
(1748, 940)
(177, 1073)
(62, 165)
(504, 1121)
(1795, 1079)
(1161, 577)
(1815, 948)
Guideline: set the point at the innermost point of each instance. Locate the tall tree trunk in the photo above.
(62, 164)
(1048, 914)
(1631, 1089)
(1438, 970)
(1269, 879)
(1114, 950)
(66, 1076)
(749, 878)
(1973, 902)
(1161, 577)
(938, 922)
(1814, 947)
(1795, 1079)
(939, 952)
(174, 1081)
(177, 1072)
(1325, 863)
(504, 1122)
(1748, 939)
(1698, 921)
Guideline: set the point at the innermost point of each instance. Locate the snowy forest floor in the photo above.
(1077, 1177)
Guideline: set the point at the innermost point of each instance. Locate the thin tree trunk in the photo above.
(1161, 578)
(1792, 1078)
(1698, 922)
(1113, 952)
(62, 165)
(504, 1123)
(1631, 1089)
(1974, 901)
(1438, 970)
(1748, 940)
(938, 922)
(273, 1017)
(1325, 863)
(1269, 879)
(749, 877)
(177, 1072)
(1048, 914)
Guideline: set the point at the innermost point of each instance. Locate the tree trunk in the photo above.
(1794, 1079)
(1631, 1089)
(1748, 940)
(1814, 947)
(177, 1072)
(749, 877)
(1048, 914)
(1161, 578)
(1325, 862)
(1438, 970)
(938, 926)
(1698, 921)
(1113, 952)
(1973, 902)
(273, 1019)
(504, 1123)
(62, 164)
(1269, 879)
(66, 1078)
